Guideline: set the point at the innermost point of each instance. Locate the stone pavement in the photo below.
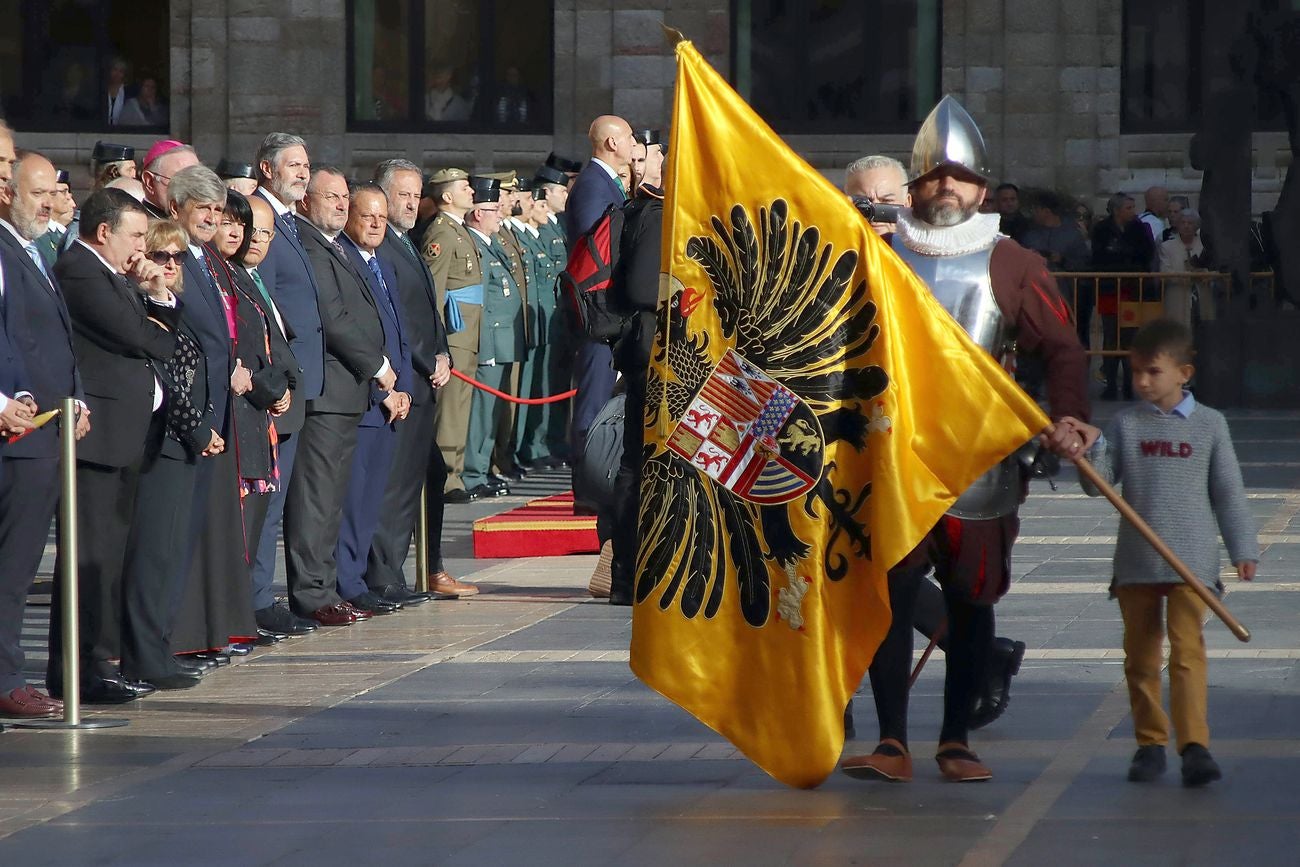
(507, 729)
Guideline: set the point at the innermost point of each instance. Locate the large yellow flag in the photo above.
(812, 412)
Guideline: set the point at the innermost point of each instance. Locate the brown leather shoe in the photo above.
(442, 582)
(959, 765)
(37, 695)
(357, 613)
(334, 615)
(20, 703)
(890, 762)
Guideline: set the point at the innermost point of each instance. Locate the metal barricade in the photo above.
(1119, 303)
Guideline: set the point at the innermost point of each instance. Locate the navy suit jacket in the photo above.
(592, 193)
(397, 345)
(423, 323)
(289, 278)
(205, 314)
(40, 334)
(13, 378)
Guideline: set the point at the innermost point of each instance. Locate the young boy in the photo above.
(1179, 471)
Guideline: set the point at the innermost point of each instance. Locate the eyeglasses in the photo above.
(162, 257)
(262, 234)
(167, 179)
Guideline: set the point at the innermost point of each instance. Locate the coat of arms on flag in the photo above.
(737, 428)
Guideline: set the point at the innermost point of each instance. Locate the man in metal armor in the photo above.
(1003, 295)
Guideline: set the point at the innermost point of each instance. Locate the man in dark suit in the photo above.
(418, 455)
(355, 359)
(41, 335)
(377, 437)
(119, 350)
(595, 189)
(287, 274)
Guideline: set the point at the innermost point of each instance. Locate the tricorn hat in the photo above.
(485, 189)
(564, 164)
(550, 175)
(61, 176)
(949, 137)
(648, 137)
(229, 168)
(107, 152)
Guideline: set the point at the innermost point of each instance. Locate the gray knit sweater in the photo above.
(1182, 477)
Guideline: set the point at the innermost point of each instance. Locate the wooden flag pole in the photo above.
(1130, 514)
(929, 649)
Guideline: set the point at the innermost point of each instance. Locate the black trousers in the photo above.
(970, 639)
(632, 359)
(391, 543)
(593, 377)
(105, 506)
(29, 496)
(313, 508)
(155, 576)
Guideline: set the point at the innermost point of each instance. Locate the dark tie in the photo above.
(383, 286)
(410, 248)
(338, 248)
(291, 224)
(261, 289)
(38, 261)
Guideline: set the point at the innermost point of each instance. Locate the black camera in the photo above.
(876, 212)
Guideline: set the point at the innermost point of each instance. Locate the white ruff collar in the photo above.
(977, 233)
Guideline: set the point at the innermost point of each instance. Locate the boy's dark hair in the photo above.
(1163, 336)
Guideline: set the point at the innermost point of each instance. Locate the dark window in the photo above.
(60, 59)
(450, 65)
(838, 66)
(1162, 78)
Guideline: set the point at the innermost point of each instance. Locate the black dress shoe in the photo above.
(103, 691)
(183, 666)
(368, 601)
(176, 681)
(514, 474)
(495, 488)
(267, 637)
(141, 688)
(279, 619)
(220, 657)
(239, 649)
(198, 661)
(400, 594)
(460, 497)
(557, 463)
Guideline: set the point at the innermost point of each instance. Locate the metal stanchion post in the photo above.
(422, 545)
(67, 579)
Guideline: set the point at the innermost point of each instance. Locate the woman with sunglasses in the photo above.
(166, 486)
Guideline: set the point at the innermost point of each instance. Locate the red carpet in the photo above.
(545, 527)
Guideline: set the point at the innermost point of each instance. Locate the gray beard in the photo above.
(943, 213)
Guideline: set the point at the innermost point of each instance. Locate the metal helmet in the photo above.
(949, 137)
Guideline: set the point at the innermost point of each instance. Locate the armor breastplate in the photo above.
(962, 285)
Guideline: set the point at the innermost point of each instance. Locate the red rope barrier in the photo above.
(530, 401)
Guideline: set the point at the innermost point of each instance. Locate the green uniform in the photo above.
(559, 344)
(449, 250)
(501, 341)
(503, 456)
(49, 245)
(536, 379)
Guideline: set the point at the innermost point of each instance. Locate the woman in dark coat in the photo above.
(217, 615)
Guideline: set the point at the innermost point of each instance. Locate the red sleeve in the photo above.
(1042, 325)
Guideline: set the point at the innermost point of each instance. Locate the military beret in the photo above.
(550, 175)
(228, 168)
(444, 176)
(486, 189)
(61, 177)
(564, 164)
(507, 179)
(107, 152)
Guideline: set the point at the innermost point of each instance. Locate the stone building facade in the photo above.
(1044, 80)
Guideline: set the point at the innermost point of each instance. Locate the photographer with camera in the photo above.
(877, 186)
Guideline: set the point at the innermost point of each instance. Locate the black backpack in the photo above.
(586, 279)
(595, 471)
